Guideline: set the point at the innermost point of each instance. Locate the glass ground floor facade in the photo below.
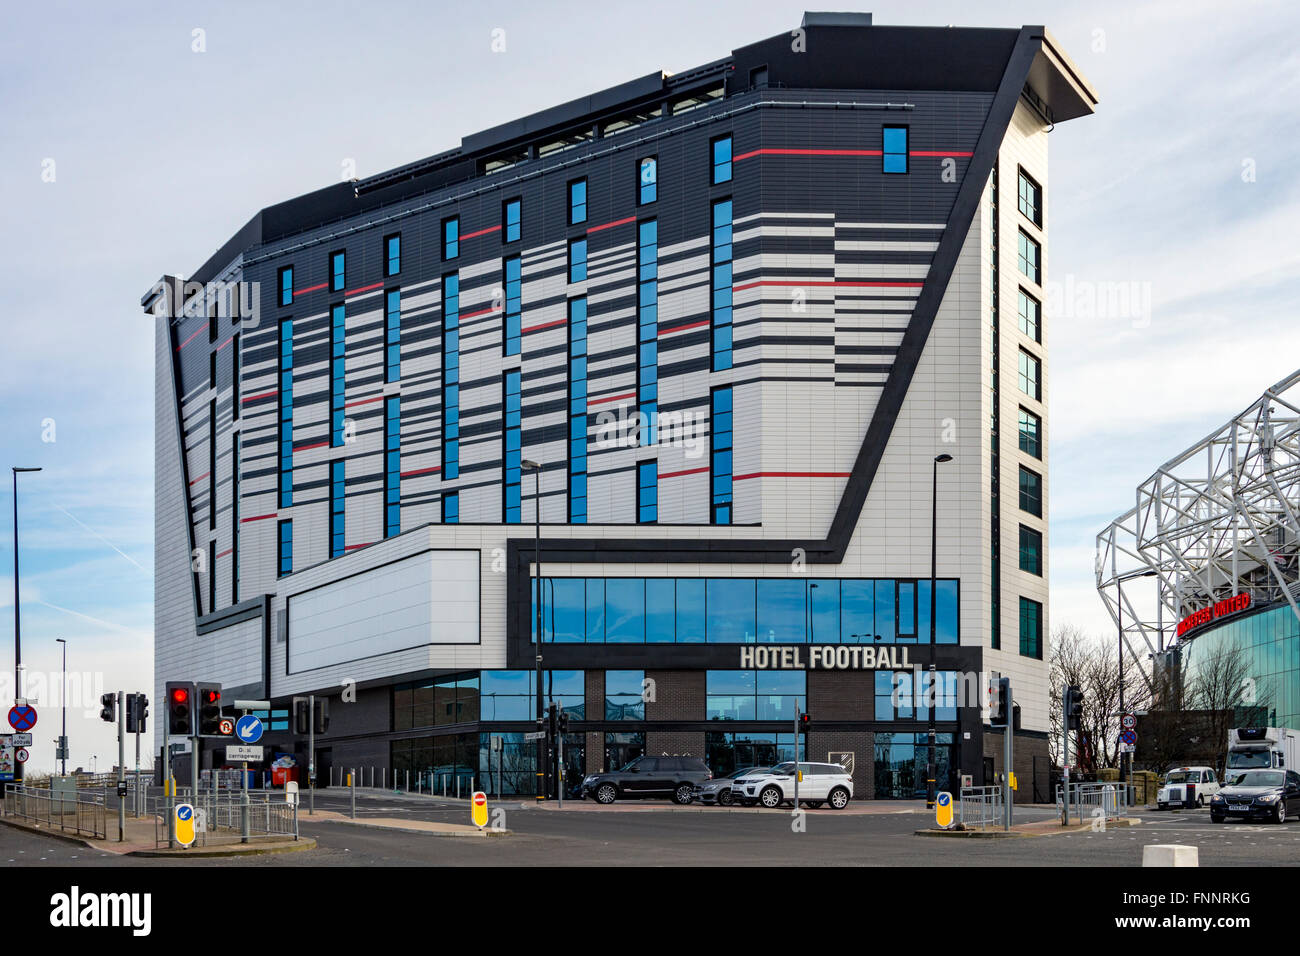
(1266, 648)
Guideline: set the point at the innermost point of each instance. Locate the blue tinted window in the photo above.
(512, 325)
(450, 377)
(337, 537)
(595, 610)
(625, 610)
(338, 272)
(690, 611)
(450, 238)
(906, 611)
(286, 285)
(824, 620)
(285, 397)
(647, 180)
(782, 611)
(511, 219)
(730, 607)
(577, 416)
(648, 328)
(647, 492)
(286, 548)
(720, 474)
(721, 148)
(721, 291)
(1028, 257)
(338, 323)
(577, 202)
(779, 693)
(450, 507)
(885, 611)
(895, 149)
(1031, 628)
(578, 260)
(857, 612)
(512, 455)
(730, 695)
(393, 254)
(392, 466)
(392, 335)
(624, 697)
(659, 611)
(565, 611)
(946, 628)
(1031, 492)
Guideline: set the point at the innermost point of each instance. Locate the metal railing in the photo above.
(81, 813)
(980, 807)
(221, 813)
(1095, 801)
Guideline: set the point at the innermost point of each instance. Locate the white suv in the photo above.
(822, 783)
(1187, 787)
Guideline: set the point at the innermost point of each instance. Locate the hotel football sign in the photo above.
(839, 657)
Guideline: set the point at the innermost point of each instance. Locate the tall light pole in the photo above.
(63, 735)
(1119, 604)
(934, 581)
(18, 643)
(529, 465)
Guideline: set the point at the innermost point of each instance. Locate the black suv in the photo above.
(674, 777)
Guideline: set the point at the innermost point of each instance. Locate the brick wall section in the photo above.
(841, 695)
(595, 753)
(679, 695)
(1027, 748)
(861, 743)
(682, 742)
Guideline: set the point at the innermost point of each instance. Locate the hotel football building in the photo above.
(721, 323)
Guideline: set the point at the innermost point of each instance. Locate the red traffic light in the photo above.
(211, 696)
(180, 695)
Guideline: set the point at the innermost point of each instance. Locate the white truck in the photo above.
(1262, 747)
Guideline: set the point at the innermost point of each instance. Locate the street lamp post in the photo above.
(536, 469)
(1119, 603)
(18, 644)
(934, 575)
(63, 734)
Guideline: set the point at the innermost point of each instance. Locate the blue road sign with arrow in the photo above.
(248, 729)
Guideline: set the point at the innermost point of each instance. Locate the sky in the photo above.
(137, 137)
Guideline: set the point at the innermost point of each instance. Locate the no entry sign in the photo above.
(478, 808)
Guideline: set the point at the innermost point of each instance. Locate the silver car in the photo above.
(718, 790)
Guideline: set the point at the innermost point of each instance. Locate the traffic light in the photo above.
(129, 707)
(209, 706)
(141, 713)
(1000, 702)
(321, 719)
(1073, 706)
(108, 708)
(301, 716)
(180, 709)
(552, 719)
(564, 721)
(805, 722)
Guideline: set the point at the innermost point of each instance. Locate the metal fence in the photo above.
(81, 813)
(1095, 801)
(980, 807)
(220, 815)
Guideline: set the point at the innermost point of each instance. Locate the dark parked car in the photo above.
(674, 777)
(718, 790)
(1257, 794)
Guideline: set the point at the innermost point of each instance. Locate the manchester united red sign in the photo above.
(1238, 602)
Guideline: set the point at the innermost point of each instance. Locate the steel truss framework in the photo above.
(1217, 520)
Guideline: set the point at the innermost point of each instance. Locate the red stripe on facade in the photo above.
(225, 343)
(353, 547)
(473, 315)
(191, 338)
(682, 328)
(249, 398)
(224, 553)
(318, 444)
(481, 232)
(854, 284)
(364, 288)
(363, 401)
(544, 325)
(678, 474)
(310, 288)
(611, 398)
(939, 152)
(610, 225)
(421, 471)
(845, 152)
(199, 478)
(258, 518)
(793, 474)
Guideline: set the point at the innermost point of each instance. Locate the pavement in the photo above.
(139, 838)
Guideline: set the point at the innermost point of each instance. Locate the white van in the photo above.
(1187, 787)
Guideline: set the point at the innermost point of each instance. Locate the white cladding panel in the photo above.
(428, 598)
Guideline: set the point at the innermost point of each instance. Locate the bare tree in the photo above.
(1222, 691)
(1092, 664)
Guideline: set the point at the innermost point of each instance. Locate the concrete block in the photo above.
(1170, 854)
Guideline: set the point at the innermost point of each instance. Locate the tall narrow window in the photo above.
(392, 335)
(1031, 550)
(512, 450)
(511, 327)
(1028, 255)
(212, 466)
(1031, 492)
(286, 285)
(337, 374)
(1028, 314)
(1031, 376)
(577, 260)
(234, 518)
(1031, 628)
(450, 238)
(338, 272)
(284, 551)
(577, 202)
(720, 303)
(511, 219)
(578, 411)
(1029, 199)
(337, 527)
(647, 189)
(392, 466)
(235, 400)
(450, 376)
(1031, 433)
(720, 149)
(393, 254)
(720, 455)
(450, 507)
(286, 413)
(895, 149)
(647, 373)
(647, 492)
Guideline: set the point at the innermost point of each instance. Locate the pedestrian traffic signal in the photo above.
(209, 704)
(321, 718)
(301, 716)
(108, 708)
(1073, 706)
(180, 709)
